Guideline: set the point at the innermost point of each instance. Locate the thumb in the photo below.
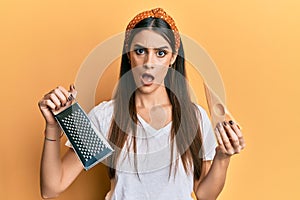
(73, 91)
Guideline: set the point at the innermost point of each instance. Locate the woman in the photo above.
(164, 143)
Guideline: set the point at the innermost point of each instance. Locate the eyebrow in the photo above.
(136, 46)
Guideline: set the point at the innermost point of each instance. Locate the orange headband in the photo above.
(156, 13)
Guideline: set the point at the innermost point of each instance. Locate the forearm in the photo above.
(56, 173)
(212, 184)
(51, 165)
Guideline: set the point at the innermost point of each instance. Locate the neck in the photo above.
(149, 100)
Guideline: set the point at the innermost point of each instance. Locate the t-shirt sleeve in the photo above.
(208, 136)
(100, 116)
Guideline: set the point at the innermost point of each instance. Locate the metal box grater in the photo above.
(89, 144)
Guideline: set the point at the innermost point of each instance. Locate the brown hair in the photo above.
(185, 121)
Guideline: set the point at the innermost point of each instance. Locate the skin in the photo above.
(149, 53)
(56, 173)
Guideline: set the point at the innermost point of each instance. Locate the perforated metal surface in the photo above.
(89, 144)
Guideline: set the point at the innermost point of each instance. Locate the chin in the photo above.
(148, 89)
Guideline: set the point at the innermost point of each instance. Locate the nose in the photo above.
(149, 60)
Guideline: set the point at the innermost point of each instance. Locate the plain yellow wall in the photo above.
(255, 45)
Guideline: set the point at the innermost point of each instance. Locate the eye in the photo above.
(139, 51)
(161, 53)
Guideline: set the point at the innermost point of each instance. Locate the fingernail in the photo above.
(231, 122)
(70, 98)
(224, 123)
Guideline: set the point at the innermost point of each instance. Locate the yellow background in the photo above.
(255, 45)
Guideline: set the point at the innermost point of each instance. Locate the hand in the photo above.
(230, 139)
(53, 101)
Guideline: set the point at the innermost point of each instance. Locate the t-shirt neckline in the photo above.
(147, 125)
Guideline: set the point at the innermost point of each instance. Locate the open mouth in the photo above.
(147, 78)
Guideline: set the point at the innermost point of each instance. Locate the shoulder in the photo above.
(102, 112)
(200, 108)
(103, 108)
(101, 116)
(203, 113)
(208, 136)
(204, 119)
(104, 105)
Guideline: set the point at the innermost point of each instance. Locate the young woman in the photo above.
(164, 144)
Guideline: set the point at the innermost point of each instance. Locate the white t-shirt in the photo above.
(153, 160)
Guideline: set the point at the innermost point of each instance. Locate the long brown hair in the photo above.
(185, 120)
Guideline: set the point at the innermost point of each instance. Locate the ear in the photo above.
(174, 56)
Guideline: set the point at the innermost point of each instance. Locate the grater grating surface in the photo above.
(89, 144)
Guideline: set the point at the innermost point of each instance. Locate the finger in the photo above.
(60, 93)
(232, 137)
(73, 91)
(218, 136)
(58, 89)
(44, 104)
(225, 139)
(220, 142)
(238, 132)
(50, 104)
(55, 100)
(64, 91)
(47, 103)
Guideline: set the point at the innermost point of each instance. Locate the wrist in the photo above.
(52, 132)
(52, 139)
(52, 128)
(222, 160)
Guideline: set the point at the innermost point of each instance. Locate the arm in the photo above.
(210, 186)
(56, 174)
(230, 142)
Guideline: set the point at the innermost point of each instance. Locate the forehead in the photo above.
(149, 39)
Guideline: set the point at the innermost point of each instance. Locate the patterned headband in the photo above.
(155, 13)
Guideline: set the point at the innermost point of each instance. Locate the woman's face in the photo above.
(150, 57)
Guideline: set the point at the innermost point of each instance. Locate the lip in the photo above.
(146, 82)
